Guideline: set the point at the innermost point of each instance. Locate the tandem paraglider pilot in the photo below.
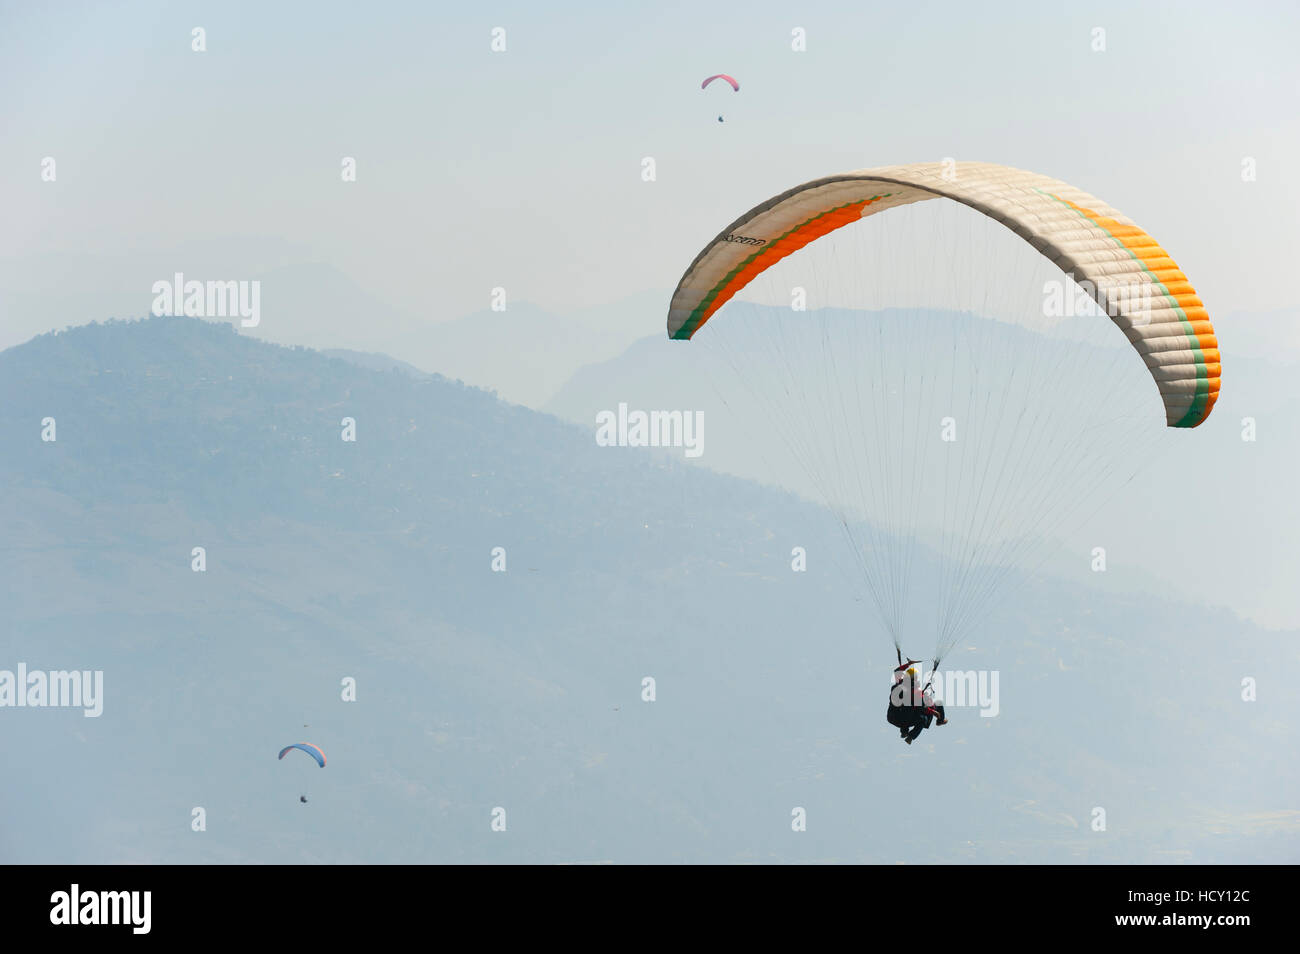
(911, 708)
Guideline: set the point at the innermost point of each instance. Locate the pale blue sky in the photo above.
(522, 169)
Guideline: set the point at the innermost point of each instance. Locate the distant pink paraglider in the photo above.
(721, 76)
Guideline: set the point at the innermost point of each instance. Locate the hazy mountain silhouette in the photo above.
(1244, 489)
(328, 560)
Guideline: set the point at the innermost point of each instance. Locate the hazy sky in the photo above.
(523, 168)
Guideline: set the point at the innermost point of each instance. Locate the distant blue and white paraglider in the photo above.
(307, 747)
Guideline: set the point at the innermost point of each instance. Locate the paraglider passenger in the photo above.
(911, 709)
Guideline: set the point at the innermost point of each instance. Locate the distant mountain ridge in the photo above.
(329, 561)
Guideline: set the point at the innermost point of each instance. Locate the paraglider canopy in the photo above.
(935, 318)
(307, 747)
(721, 76)
(1091, 241)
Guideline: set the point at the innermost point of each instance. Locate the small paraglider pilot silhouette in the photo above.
(911, 708)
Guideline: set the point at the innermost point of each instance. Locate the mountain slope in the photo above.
(372, 561)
